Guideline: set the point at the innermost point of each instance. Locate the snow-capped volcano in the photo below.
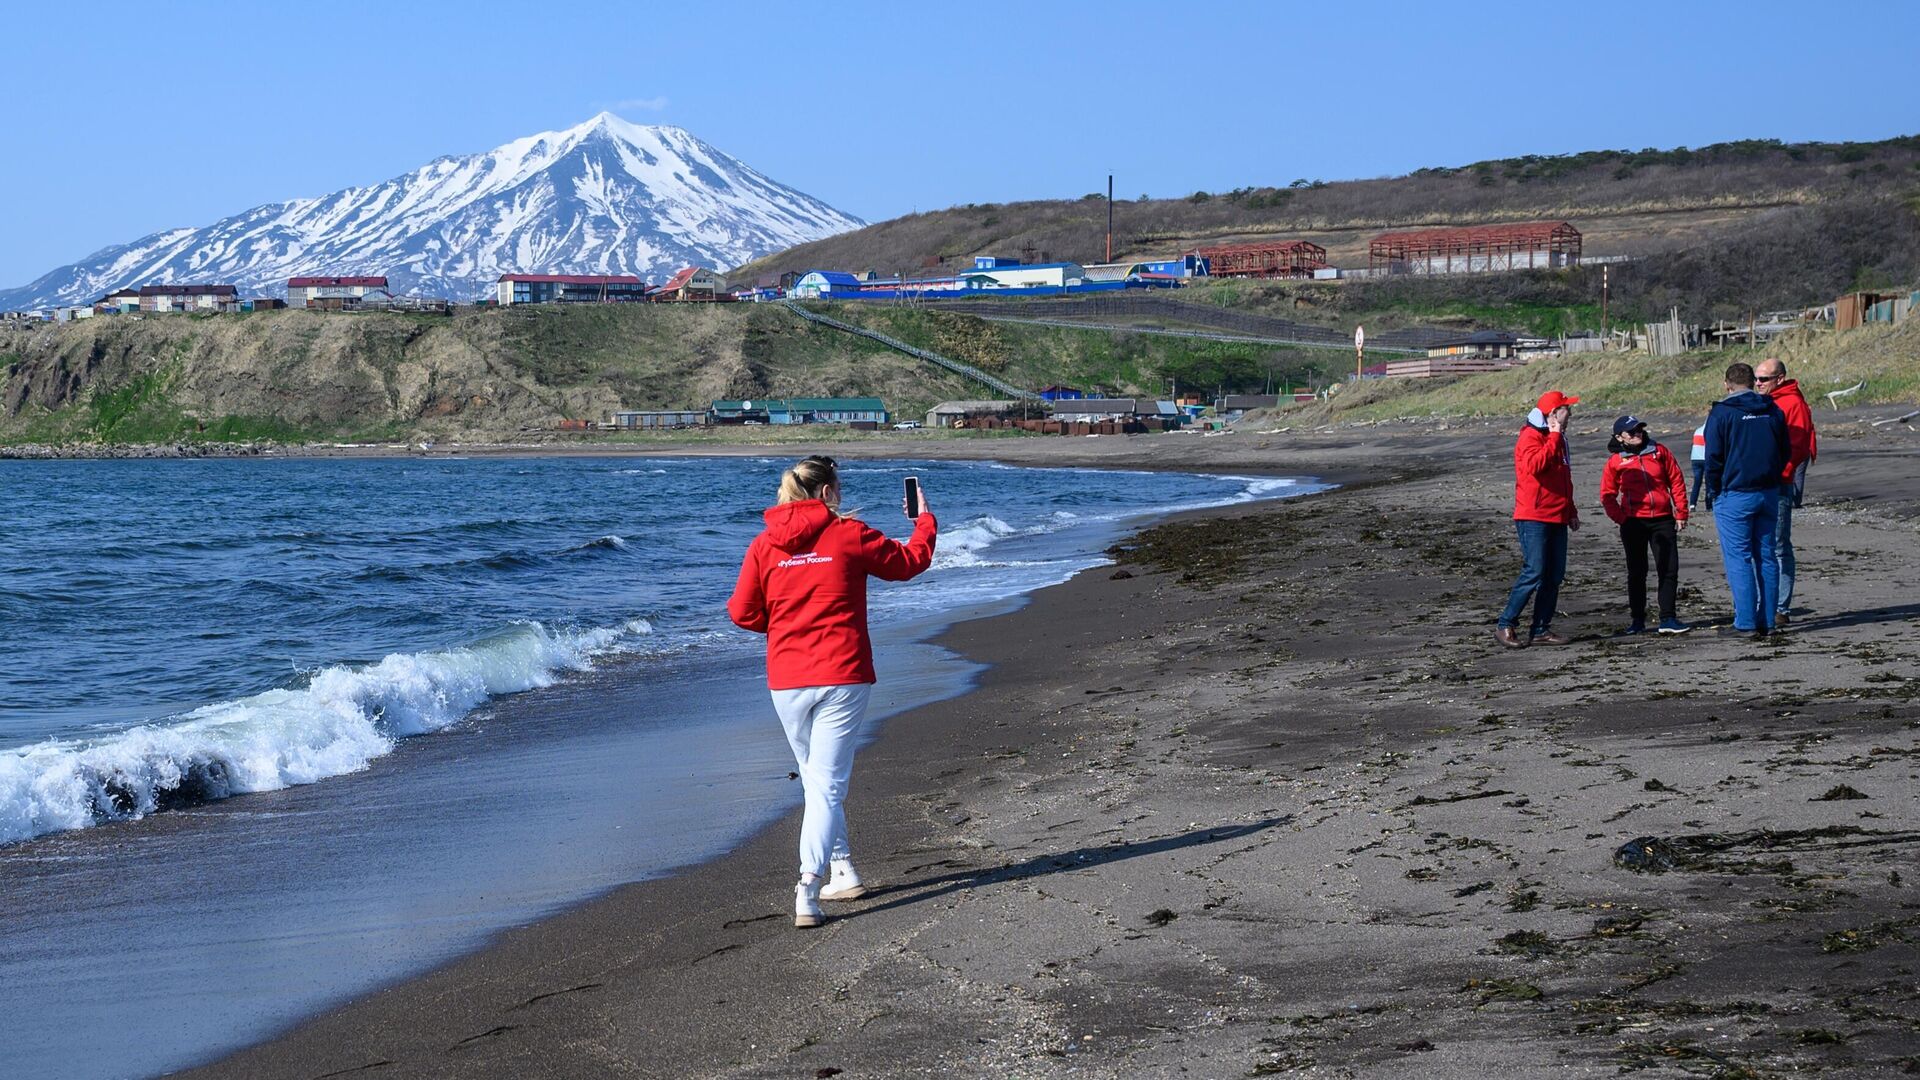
(605, 197)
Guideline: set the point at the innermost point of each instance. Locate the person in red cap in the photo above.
(1543, 515)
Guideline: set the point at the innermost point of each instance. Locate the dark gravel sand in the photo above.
(1268, 799)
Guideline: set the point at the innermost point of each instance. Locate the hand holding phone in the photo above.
(913, 504)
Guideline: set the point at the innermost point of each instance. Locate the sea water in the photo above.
(457, 694)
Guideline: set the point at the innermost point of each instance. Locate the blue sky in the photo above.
(124, 122)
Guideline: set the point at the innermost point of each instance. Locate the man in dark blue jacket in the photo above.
(1746, 453)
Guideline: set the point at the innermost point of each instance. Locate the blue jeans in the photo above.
(1543, 554)
(1745, 520)
(1783, 547)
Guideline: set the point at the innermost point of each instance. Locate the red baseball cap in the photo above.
(1553, 399)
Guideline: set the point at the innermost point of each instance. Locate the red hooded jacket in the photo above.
(1802, 445)
(804, 585)
(1542, 477)
(1643, 484)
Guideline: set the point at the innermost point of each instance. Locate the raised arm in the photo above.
(890, 560)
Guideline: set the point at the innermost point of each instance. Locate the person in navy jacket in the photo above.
(1747, 453)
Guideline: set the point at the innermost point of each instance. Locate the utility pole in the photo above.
(1603, 307)
(1109, 217)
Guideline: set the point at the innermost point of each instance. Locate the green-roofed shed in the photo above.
(809, 410)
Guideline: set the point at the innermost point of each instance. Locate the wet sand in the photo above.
(1267, 799)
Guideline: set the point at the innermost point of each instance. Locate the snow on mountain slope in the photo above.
(605, 197)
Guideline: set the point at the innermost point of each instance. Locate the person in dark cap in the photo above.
(1644, 492)
(1544, 513)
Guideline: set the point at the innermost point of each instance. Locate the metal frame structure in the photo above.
(1541, 244)
(1270, 259)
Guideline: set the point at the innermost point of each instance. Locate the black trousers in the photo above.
(1637, 535)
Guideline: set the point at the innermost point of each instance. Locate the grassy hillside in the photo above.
(1725, 227)
(297, 375)
(1885, 358)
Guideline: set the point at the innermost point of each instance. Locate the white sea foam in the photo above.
(961, 546)
(342, 719)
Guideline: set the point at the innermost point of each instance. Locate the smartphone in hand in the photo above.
(913, 496)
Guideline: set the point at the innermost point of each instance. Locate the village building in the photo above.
(569, 289)
(1096, 410)
(989, 274)
(119, 300)
(1485, 344)
(692, 283)
(955, 413)
(164, 298)
(303, 291)
(1234, 406)
(800, 411)
(823, 284)
(656, 419)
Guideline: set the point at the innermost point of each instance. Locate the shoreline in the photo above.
(612, 987)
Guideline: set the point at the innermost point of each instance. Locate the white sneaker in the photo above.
(845, 882)
(806, 904)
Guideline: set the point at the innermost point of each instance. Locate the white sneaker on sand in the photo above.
(844, 884)
(806, 904)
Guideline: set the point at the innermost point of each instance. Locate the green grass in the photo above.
(1545, 320)
(1132, 364)
(142, 411)
(1879, 356)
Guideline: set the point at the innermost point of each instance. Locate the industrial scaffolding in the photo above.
(1535, 244)
(1275, 259)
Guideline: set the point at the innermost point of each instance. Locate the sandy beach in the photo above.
(1265, 798)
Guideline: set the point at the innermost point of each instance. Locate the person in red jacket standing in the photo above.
(803, 583)
(1543, 514)
(1803, 446)
(1645, 494)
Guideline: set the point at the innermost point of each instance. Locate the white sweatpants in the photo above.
(823, 723)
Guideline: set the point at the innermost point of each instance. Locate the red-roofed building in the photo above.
(569, 288)
(302, 291)
(692, 283)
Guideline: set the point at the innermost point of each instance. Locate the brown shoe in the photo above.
(1508, 636)
(1548, 637)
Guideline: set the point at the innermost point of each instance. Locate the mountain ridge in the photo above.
(604, 196)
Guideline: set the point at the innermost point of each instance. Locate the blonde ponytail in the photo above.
(809, 478)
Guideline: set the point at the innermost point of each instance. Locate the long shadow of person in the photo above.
(1863, 617)
(1085, 858)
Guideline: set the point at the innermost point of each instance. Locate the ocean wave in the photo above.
(341, 720)
(962, 545)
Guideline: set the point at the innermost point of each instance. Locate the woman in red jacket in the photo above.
(804, 585)
(1645, 494)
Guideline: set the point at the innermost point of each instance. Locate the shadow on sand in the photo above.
(1085, 858)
